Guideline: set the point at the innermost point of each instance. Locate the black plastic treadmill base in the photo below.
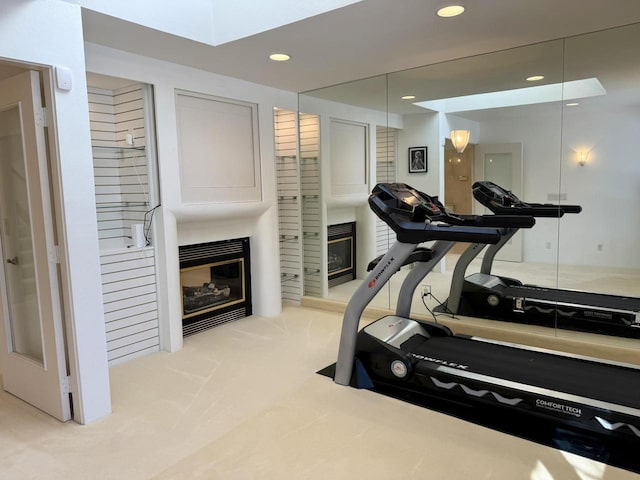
(606, 449)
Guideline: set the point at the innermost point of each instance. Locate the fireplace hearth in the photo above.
(215, 282)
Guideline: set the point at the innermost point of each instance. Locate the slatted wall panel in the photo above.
(120, 171)
(311, 203)
(130, 304)
(102, 117)
(385, 173)
(286, 134)
(129, 115)
(122, 187)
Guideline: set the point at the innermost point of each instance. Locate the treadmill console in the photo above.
(416, 217)
(494, 197)
(401, 200)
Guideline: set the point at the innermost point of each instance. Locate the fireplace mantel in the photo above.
(199, 212)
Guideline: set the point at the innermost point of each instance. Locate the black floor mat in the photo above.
(610, 450)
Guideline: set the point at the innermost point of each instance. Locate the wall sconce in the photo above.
(460, 139)
(583, 157)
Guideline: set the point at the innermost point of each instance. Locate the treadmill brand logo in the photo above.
(441, 362)
(373, 281)
(558, 407)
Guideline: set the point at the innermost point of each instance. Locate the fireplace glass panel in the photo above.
(211, 286)
(340, 255)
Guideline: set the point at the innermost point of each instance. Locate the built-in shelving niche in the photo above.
(312, 231)
(125, 174)
(289, 201)
(299, 203)
(386, 155)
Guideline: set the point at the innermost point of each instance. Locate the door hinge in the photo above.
(41, 117)
(66, 384)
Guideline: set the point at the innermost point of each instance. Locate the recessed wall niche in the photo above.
(125, 175)
(218, 147)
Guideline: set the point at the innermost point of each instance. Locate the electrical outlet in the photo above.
(426, 290)
(548, 245)
(129, 138)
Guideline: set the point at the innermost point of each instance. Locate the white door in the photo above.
(32, 356)
(502, 165)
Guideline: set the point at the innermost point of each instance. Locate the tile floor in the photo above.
(243, 401)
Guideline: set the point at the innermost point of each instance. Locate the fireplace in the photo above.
(215, 279)
(341, 253)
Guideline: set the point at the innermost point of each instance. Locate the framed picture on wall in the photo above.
(417, 159)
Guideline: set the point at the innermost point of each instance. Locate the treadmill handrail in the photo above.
(416, 217)
(504, 202)
(502, 221)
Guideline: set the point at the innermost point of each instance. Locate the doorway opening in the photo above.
(458, 179)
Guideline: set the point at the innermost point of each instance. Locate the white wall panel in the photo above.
(130, 304)
(218, 149)
(348, 158)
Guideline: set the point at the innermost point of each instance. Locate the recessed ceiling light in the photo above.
(408, 97)
(535, 78)
(279, 57)
(450, 11)
(573, 104)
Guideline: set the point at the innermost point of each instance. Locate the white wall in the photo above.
(607, 188)
(180, 223)
(417, 131)
(49, 33)
(540, 137)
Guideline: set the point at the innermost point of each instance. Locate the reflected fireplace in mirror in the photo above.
(341, 244)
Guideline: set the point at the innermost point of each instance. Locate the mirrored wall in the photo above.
(555, 123)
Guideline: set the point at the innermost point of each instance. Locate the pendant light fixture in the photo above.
(460, 139)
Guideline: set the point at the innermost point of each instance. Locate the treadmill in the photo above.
(502, 298)
(429, 359)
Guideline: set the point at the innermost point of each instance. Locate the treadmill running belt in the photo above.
(563, 374)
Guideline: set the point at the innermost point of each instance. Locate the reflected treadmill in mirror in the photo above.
(595, 251)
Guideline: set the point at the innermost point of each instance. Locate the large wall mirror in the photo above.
(555, 122)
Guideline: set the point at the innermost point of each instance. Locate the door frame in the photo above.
(513, 250)
(68, 137)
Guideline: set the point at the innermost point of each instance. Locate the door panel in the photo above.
(17, 248)
(32, 348)
(502, 165)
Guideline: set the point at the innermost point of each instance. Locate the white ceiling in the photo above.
(611, 56)
(369, 38)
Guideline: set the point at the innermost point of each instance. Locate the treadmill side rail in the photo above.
(586, 412)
